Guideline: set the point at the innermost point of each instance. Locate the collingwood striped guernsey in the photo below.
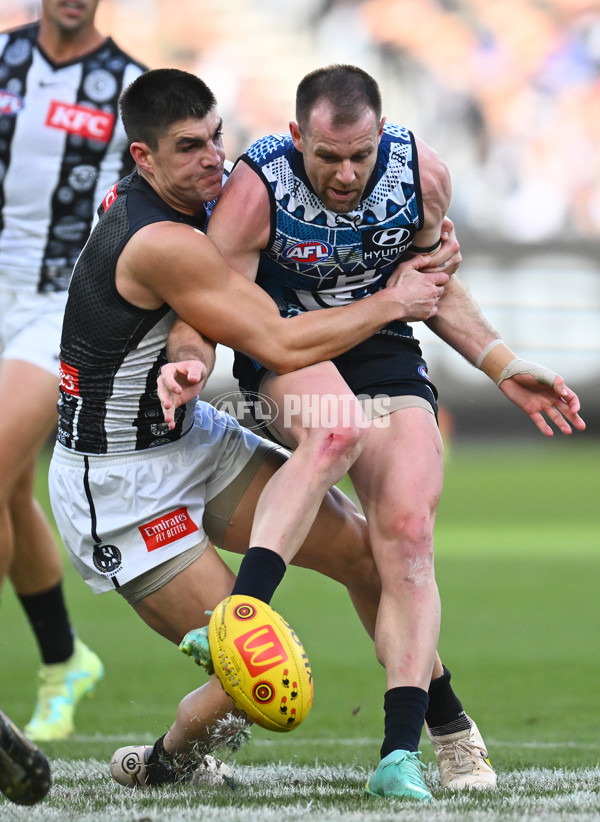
(62, 146)
(112, 350)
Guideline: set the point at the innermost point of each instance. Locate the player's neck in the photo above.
(63, 47)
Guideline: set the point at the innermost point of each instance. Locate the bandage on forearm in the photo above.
(500, 363)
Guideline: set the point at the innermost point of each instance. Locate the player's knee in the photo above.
(412, 529)
(338, 445)
(405, 555)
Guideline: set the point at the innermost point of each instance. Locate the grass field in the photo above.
(518, 567)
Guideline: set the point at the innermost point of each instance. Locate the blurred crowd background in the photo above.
(507, 91)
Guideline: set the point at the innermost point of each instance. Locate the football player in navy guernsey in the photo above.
(61, 144)
(140, 504)
(319, 218)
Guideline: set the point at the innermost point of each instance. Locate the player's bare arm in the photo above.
(537, 390)
(225, 307)
(240, 224)
(437, 232)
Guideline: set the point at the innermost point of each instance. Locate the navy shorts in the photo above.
(382, 365)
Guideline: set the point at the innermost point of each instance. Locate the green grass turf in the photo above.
(518, 569)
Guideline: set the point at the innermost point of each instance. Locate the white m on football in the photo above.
(260, 663)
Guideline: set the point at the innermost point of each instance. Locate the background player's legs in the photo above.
(36, 564)
(30, 551)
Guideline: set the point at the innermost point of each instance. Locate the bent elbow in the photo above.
(283, 359)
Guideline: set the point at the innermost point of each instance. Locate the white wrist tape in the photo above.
(494, 358)
(486, 351)
(516, 366)
(500, 363)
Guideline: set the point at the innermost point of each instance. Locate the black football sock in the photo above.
(160, 766)
(445, 714)
(49, 619)
(164, 768)
(260, 573)
(404, 708)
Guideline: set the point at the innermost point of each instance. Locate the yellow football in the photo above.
(260, 663)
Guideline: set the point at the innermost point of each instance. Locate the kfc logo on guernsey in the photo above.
(168, 528)
(260, 650)
(308, 251)
(69, 378)
(10, 103)
(89, 123)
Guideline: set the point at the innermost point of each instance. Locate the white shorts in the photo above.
(121, 516)
(31, 327)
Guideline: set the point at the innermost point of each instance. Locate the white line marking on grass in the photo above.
(149, 738)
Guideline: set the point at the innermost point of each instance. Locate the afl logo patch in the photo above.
(10, 103)
(423, 372)
(308, 251)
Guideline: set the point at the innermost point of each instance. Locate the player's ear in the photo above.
(381, 125)
(142, 155)
(296, 135)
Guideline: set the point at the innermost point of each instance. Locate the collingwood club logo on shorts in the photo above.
(255, 410)
(107, 559)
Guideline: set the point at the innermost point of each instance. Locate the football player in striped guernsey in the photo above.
(61, 144)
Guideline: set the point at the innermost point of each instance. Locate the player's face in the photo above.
(339, 160)
(187, 167)
(70, 16)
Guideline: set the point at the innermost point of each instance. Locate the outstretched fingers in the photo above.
(178, 383)
(544, 402)
(566, 407)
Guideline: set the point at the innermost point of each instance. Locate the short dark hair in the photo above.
(158, 98)
(349, 90)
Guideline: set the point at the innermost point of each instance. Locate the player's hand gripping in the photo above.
(447, 258)
(417, 289)
(539, 391)
(178, 383)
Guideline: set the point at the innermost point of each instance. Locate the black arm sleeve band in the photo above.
(416, 250)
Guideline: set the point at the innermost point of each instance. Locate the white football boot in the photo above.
(128, 767)
(462, 760)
